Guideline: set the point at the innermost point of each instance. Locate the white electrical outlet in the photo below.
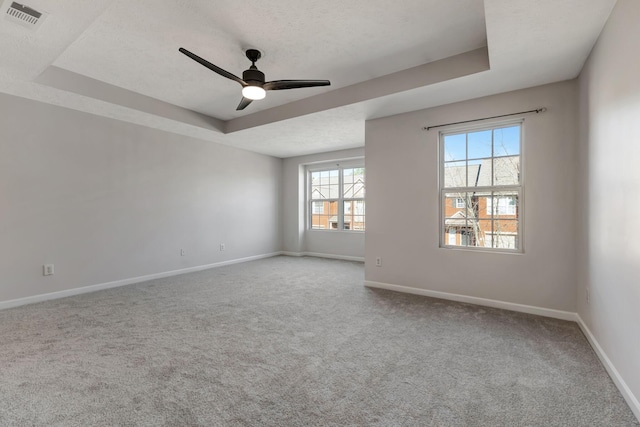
(222, 246)
(47, 270)
(378, 262)
(183, 252)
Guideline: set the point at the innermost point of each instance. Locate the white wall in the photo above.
(105, 200)
(609, 263)
(297, 240)
(403, 211)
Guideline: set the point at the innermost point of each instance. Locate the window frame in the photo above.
(340, 167)
(518, 188)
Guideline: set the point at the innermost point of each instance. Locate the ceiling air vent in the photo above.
(24, 15)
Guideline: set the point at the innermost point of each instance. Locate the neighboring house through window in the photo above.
(501, 205)
(481, 187)
(336, 198)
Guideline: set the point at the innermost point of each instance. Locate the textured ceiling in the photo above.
(134, 45)
(120, 59)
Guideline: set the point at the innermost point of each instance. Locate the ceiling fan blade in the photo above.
(243, 103)
(294, 84)
(213, 67)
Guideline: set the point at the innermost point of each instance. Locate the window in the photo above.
(481, 188)
(336, 198)
(501, 205)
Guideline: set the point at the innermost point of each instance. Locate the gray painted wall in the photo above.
(403, 211)
(295, 238)
(609, 262)
(105, 200)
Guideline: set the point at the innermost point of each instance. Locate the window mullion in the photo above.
(493, 159)
(340, 199)
(466, 162)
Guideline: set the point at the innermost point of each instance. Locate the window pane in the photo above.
(475, 172)
(506, 170)
(328, 219)
(484, 232)
(354, 215)
(505, 234)
(358, 223)
(463, 202)
(358, 207)
(334, 184)
(505, 203)
(502, 204)
(452, 208)
(452, 236)
(489, 203)
(466, 236)
(480, 173)
(470, 235)
(454, 174)
(358, 183)
(479, 144)
(506, 141)
(318, 207)
(455, 147)
(318, 222)
(483, 205)
(347, 182)
(315, 186)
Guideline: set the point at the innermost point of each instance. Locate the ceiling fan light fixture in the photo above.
(253, 92)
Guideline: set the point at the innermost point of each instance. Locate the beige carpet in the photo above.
(293, 342)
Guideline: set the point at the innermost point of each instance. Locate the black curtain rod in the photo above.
(537, 110)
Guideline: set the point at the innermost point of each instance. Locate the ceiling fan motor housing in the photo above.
(253, 75)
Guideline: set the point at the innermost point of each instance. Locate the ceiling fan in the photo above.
(253, 85)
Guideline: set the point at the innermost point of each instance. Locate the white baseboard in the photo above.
(287, 253)
(320, 255)
(92, 288)
(626, 392)
(530, 309)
